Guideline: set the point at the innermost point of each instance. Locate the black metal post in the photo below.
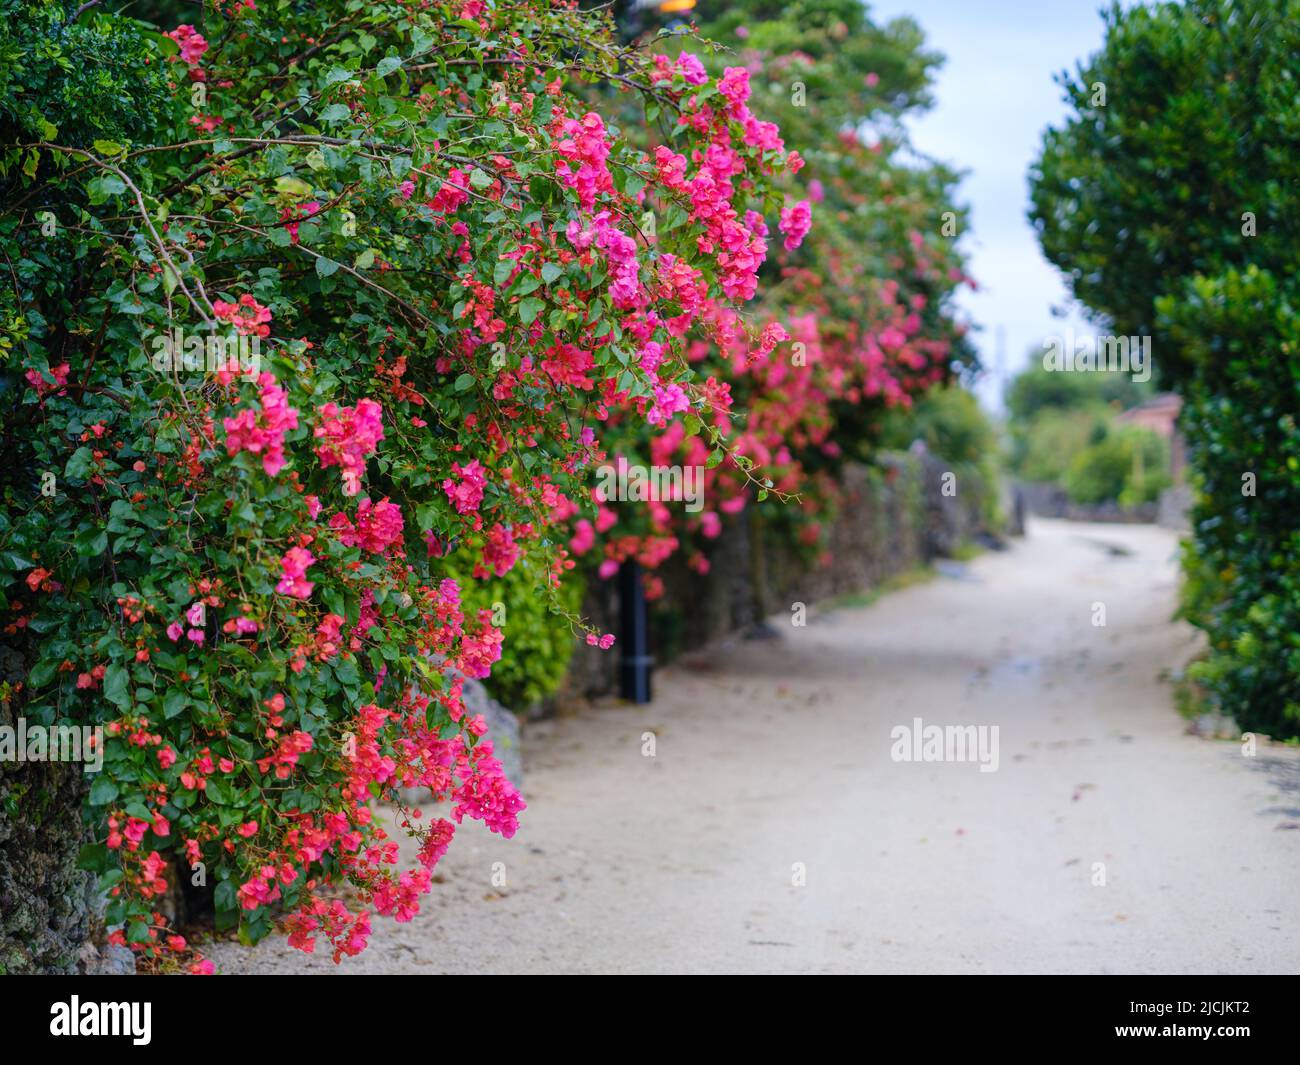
(634, 634)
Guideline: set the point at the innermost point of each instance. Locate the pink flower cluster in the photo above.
(248, 316)
(400, 898)
(739, 246)
(293, 216)
(669, 399)
(625, 286)
(500, 552)
(735, 87)
(37, 380)
(467, 493)
(795, 223)
(347, 932)
(293, 568)
(192, 43)
(264, 886)
(688, 66)
(452, 193)
(487, 794)
(286, 754)
(378, 526)
(479, 650)
(584, 144)
(349, 435)
(262, 431)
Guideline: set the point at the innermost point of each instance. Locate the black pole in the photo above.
(634, 635)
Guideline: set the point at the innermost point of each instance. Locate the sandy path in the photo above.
(773, 754)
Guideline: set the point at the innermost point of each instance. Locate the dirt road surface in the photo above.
(772, 831)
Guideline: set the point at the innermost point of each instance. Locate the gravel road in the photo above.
(772, 831)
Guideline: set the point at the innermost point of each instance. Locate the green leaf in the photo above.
(174, 702)
(102, 792)
(42, 673)
(117, 686)
(292, 186)
(529, 309)
(216, 791)
(526, 284)
(335, 113)
(101, 188)
(325, 267)
(421, 42)
(80, 464)
(94, 857)
(633, 185)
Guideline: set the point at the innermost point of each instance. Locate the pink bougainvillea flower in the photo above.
(693, 72)
(191, 43)
(583, 146)
(348, 435)
(261, 432)
(248, 316)
(378, 526)
(43, 387)
(466, 493)
(294, 568)
(795, 223)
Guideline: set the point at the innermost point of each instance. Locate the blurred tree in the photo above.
(1168, 197)
(1036, 388)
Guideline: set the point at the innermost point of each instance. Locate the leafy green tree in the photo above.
(1168, 198)
(1037, 388)
(1128, 466)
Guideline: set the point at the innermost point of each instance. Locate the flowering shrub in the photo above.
(459, 276)
(857, 318)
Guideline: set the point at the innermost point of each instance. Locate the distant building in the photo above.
(1160, 414)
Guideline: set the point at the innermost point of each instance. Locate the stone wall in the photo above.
(50, 910)
(1051, 501)
(892, 519)
(1175, 508)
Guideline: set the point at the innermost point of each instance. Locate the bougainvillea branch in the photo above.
(379, 312)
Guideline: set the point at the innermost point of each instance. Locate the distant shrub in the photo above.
(1128, 466)
(1045, 448)
(538, 643)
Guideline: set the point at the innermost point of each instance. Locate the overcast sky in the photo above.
(993, 98)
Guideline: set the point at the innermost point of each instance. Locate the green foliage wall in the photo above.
(1171, 207)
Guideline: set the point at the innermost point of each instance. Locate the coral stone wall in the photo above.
(893, 518)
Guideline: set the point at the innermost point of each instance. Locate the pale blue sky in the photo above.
(993, 98)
